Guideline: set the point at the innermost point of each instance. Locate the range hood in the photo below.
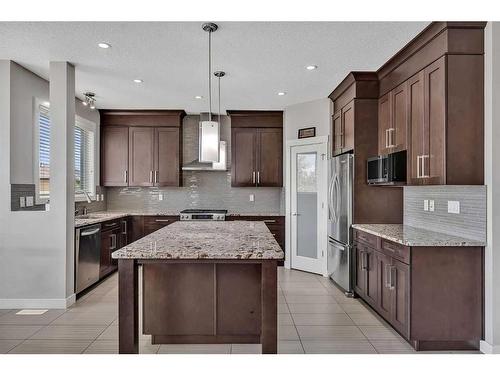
(212, 152)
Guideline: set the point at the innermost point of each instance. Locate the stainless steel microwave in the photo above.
(387, 169)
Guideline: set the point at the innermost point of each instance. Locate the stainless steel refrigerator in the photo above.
(340, 192)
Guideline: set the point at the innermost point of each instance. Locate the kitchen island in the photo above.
(203, 282)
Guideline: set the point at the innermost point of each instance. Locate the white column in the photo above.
(5, 69)
(491, 343)
(62, 179)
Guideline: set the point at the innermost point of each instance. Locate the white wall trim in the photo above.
(487, 348)
(59, 303)
(323, 140)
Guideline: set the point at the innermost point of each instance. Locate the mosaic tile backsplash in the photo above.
(200, 190)
(469, 223)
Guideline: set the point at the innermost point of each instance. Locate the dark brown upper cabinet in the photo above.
(256, 148)
(141, 148)
(114, 156)
(431, 103)
(393, 120)
(343, 129)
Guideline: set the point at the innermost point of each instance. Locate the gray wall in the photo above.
(469, 223)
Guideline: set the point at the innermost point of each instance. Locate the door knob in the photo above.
(295, 214)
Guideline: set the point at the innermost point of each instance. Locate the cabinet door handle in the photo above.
(388, 276)
(253, 177)
(269, 221)
(363, 260)
(124, 227)
(151, 176)
(157, 176)
(423, 165)
(110, 224)
(386, 138)
(258, 178)
(418, 166)
(162, 220)
(391, 280)
(113, 242)
(125, 176)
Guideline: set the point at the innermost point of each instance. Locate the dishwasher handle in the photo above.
(90, 232)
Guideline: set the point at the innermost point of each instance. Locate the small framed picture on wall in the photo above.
(307, 132)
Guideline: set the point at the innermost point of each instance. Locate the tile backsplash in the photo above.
(469, 223)
(200, 190)
(95, 205)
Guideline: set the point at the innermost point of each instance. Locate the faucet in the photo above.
(87, 195)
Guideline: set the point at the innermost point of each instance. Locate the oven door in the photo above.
(378, 170)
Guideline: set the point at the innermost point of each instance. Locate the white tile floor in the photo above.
(314, 317)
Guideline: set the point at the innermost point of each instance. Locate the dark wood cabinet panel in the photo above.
(384, 123)
(348, 127)
(153, 223)
(114, 156)
(416, 119)
(399, 129)
(371, 274)
(270, 157)
(167, 157)
(337, 132)
(385, 299)
(110, 241)
(433, 159)
(141, 156)
(243, 157)
(400, 284)
(359, 271)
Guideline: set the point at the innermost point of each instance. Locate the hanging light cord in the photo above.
(210, 75)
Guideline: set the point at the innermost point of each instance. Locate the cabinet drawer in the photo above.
(366, 238)
(395, 250)
(108, 225)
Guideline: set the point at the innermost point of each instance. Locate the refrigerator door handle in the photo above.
(337, 200)
(330, 197)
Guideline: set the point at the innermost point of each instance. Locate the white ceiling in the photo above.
(260, 58)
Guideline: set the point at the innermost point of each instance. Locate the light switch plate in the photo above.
(251, 198)
(426, 205)
(453, 207)
(431, 205)
(102, 197)
(29, 201)
(22, 202)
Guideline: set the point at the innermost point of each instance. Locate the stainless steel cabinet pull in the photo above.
(386, 138)
(162, 220)
(269, 221)
(253, 177)
(258, 178)
(388, 276)
(423, 165)
(125, 176)
(157, 176)
(151, 176)
(113, 242)
(390, 137)
(418, 166)
(392, 285)
(124, 227)
(110, 224)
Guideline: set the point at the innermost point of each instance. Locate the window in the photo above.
(84, 152)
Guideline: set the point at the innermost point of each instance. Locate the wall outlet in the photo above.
(251, 198)
(29, 201)
(431, 205)
(97, 198)
(160, 197)
(426, 205)
(453, 207)
(22, 202)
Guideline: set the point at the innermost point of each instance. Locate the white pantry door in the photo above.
(308, 175)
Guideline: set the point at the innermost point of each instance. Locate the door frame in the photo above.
(322, 193)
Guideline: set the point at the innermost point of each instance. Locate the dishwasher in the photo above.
(87, 256)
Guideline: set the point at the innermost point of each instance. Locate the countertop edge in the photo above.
(446, 242)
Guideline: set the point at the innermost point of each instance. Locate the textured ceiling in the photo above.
(260, 58)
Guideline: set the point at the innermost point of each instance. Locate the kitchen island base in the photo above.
(203, 301)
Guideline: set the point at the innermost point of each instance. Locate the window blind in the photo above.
(84, 149)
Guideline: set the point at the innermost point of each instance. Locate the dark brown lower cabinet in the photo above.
(110, 241)
(153, 223)
(433, 296)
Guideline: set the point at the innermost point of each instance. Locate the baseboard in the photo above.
(487, 348)
(55, 303)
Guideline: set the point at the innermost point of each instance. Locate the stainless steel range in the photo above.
(203, 214)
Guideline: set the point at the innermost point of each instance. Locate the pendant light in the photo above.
(209, 131)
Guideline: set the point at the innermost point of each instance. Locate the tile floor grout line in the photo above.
(296, 330)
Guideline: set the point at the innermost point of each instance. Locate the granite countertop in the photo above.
(412, 236)
(101, 216)
(205, 240)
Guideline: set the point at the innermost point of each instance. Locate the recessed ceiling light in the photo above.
(311, 67)
(198, 97)
(282, 93)
(104, 45)
(138, 80)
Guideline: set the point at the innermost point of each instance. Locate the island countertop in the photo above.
(411, 236)
(206, 240)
